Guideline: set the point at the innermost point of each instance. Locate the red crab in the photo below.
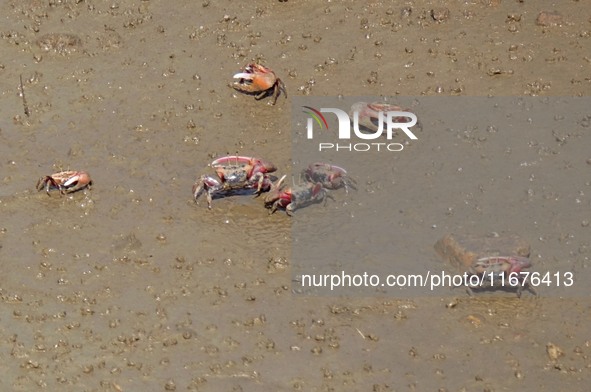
(65, 181)
(494, 271)
(369, 115)
(235, 173)
(330, 176)
(294, 197)
(259, 80)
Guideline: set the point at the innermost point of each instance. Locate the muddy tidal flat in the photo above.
(132, 285)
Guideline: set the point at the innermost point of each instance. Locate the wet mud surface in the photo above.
(133, 285)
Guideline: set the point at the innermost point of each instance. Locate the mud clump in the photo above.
(60, 43)
(549, 19)
(440, 14)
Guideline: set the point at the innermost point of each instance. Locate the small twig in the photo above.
(25, 106)
(361, 333)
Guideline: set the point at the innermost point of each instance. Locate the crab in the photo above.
(293, 197)
(369, 114)
(501, 270)
(235, 173)
(330, 176)
(259, 80)
(66, 181)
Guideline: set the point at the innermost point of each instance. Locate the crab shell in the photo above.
(330, 176)
(257, 79)
(507, 264)
(251, 165)
(65, 181)
(235, 173)
(504, 266)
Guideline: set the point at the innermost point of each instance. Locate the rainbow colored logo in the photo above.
(316, 115)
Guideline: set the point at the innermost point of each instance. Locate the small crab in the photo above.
(235, 173)
(496, 271)
(369, 115)
(294, 197)
(65, 181)
(330, 176)
(259, 80)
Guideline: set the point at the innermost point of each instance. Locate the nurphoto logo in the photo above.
(370, 122)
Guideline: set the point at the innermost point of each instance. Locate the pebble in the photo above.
(440, 14)
(549, 18)
(554, 352)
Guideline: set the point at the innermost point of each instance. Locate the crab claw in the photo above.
(279, 183)
(244, 75)
(337, 170)
(80, 178)
(263, 166)
(255, 82)
(369, 113)
(257, 165)
(234, 160)
(275, 190)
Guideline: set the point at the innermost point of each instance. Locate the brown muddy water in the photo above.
(133, 286)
